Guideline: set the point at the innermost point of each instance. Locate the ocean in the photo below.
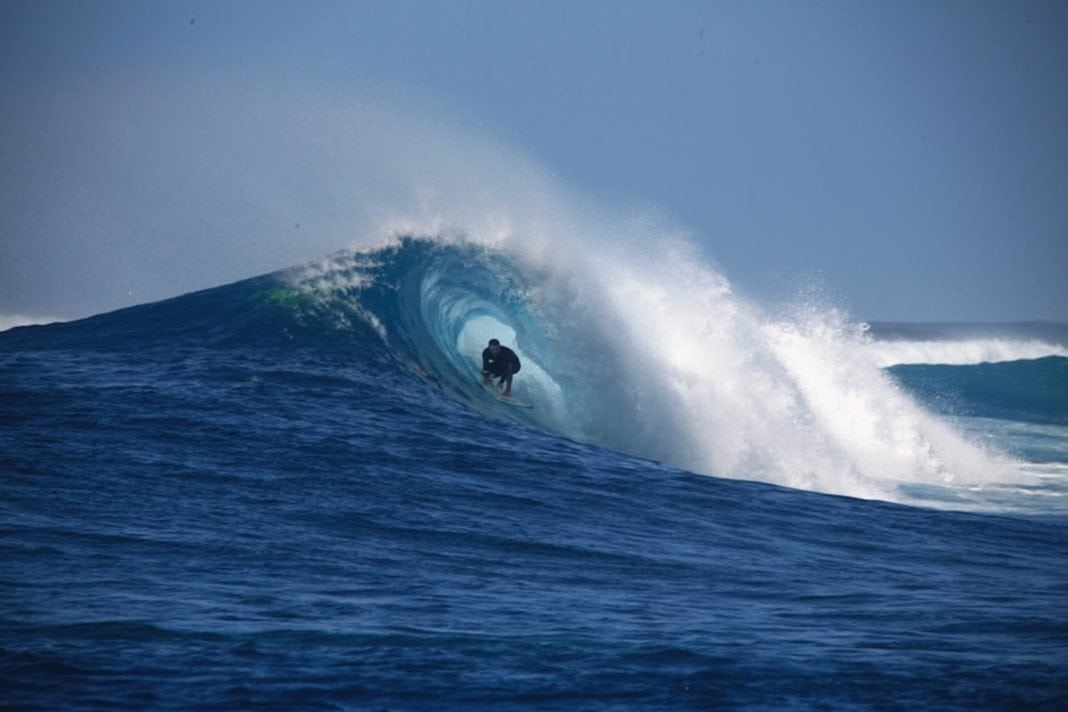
(291, 492)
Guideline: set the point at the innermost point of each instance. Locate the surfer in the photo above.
(501, 362)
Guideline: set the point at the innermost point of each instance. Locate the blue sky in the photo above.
(909, 157)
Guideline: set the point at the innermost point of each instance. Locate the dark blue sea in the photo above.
(291, 492)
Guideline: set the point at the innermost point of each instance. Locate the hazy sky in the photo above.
(911, 157)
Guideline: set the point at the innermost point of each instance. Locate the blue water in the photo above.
(291, 493)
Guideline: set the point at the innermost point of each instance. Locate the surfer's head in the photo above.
(494, 346)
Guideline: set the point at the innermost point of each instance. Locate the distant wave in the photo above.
(962, 352)
(10, 321)
(1027, 390)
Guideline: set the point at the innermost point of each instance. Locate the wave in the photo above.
(1033, 391)
(655, 358)
(961, 352)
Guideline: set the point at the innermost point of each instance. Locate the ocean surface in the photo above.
(291, 492)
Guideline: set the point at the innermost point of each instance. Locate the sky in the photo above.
(910, 158)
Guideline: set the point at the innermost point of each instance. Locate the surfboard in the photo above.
(507, 400)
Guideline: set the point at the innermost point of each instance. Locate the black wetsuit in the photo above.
(495, 365)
